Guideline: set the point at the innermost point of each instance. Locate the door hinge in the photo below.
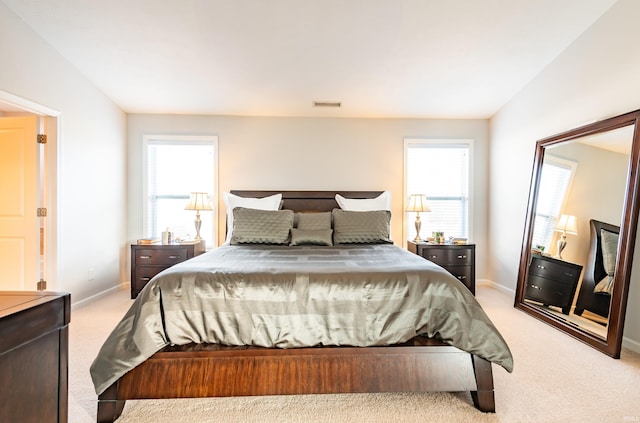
(42, 285)
(42, 138)
(42, 212)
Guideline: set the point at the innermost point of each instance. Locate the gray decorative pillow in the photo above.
(361, 227)
(313, 221)
(251, 226)
(609, 245)
(311, 237)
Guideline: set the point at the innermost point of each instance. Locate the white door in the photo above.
(19, 225)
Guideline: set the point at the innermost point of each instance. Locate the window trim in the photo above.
(469, 143)
(186, 139)
(572, 166)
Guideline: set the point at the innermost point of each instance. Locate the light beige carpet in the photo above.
(556, 379)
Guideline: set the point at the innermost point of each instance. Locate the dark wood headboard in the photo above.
(308, 201)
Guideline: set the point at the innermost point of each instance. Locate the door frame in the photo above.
(50, 123)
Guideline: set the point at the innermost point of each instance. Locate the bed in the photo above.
(600, 265)
(158, 352)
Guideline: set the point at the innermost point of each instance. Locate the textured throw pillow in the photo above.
(609, 245)
(313, 221)
(252, 226)
(381, 202)
(365, 227)
(311, 237)
(231, 201)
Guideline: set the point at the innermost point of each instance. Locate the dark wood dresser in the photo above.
(552, 282)
(34, 359)
(457, 259)
(149, 260)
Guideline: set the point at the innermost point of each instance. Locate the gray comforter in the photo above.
(289, 297)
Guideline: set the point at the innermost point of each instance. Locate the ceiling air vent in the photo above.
(327, 104)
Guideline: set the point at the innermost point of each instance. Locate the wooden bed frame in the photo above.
(200, 371)
(594, 272)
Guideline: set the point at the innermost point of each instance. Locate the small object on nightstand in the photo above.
(459, 260)
(147, 241)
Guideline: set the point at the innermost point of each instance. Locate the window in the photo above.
(174, 167)
(440, 170)
(554, 184)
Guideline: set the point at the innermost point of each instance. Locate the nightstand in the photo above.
(457, 259)
(149, 260)
(552, 282)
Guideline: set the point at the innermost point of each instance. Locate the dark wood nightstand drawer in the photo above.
(548, 292)
(160, 256)
(554, 269)
(145, 273)
(462, 273)
(449, 256)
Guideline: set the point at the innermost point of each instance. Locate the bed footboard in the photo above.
(213, 371)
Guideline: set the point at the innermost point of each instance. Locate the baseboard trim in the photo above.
(631, 344)
(502, 288)
(95, 297)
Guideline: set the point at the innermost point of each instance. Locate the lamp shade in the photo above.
(198, 201)
(417, 203)
(567, 223)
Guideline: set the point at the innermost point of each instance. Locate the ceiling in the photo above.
(383, 58)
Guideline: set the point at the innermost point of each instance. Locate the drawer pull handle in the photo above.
(535, 287)
(174, 257)
(145, 279)
(145, 257)
(540, 267)
(462, 277)
(433, 257)
(462, 257)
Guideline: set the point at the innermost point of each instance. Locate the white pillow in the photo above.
(231, 201)
(381, 202)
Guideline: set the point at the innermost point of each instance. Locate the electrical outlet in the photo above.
(91, 274)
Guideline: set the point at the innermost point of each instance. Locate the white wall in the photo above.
(91, 160)
(313, 154)
(596, 77)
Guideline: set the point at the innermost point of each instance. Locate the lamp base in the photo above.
(562, 243)
(198, 223)
(418, 225)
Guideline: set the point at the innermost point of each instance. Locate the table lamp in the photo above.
(198, 201)
(417, 204)
(567, 225)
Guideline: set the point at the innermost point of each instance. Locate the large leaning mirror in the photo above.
(580, 231)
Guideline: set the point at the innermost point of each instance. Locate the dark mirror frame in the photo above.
(629, 222)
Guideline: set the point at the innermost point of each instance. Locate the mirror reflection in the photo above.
(574, 245)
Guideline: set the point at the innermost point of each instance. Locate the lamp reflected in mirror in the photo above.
(567, 225)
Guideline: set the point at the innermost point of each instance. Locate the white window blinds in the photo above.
(440, 170)
(554, 183)
(175, 167)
